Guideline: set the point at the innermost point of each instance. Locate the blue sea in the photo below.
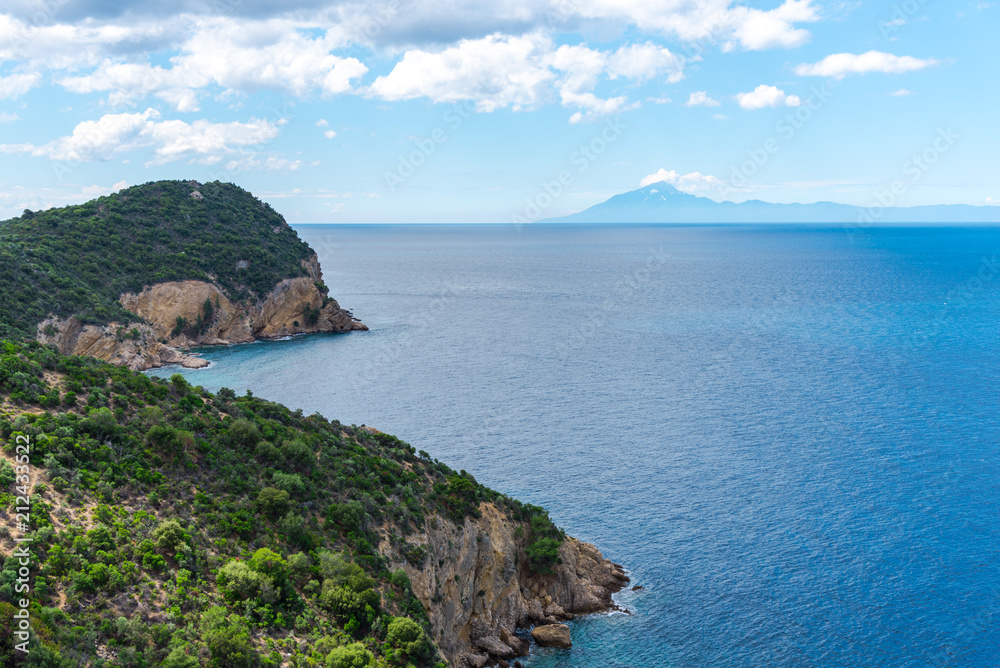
(789, 436)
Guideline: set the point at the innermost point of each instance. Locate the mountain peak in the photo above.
(662, 202)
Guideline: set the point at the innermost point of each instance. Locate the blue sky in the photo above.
(460, 111)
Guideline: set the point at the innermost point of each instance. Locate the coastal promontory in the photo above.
(136, 276)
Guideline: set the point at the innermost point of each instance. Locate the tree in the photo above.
(354, 655)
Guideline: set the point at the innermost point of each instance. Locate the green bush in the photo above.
(354, 655)
(169, 536)
(228, 640)
(409, 640)
(178, 658)
(273, 501)
(238, 581)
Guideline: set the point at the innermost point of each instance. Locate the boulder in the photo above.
(519, 646)
(493, 646)
(552, 635)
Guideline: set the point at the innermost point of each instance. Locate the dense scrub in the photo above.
(78, 260)
(180, 528)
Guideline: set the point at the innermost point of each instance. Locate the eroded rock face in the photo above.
(478, 592)
(294, 306)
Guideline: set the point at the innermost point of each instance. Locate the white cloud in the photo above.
(767, 96)
(902, 92)
(104, 190)
(707, 21)
(524, 72)
(241, 57)
(496, 71)
(991, 201)
(330, 134)
(640, 62)
(322, 123)
(756, 30)
(84, 43)
(700, 98)
(8, 117)
(171, 140)
(840, 65)
(271, 163)
(694, 183)
(17, 85)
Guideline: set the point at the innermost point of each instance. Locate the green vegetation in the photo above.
(57, 261)
(187, 529)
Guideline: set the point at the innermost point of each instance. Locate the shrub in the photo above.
(290, 482)
(228, 640)
(169, 536)
(243, 432)
(406, 636)
(355, 655)
(400, 579)
(272, 501)
(178, 658)
(237, 581)
(271, 564)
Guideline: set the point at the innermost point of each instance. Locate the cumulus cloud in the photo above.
(840, 65)
(902, 92)
(8, 117)
(766, 96)
(330, 134)
(700, 98)
(991, 201)
(17, 85)
(501, 71)
(709, 21)
(496, 71)
(236, 57)
(421, 22)
(694, 183)
(113, 134)
(67, 46)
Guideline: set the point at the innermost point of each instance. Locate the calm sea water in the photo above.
(788, 436)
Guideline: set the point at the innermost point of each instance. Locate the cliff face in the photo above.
(294, 306)
(478, 592)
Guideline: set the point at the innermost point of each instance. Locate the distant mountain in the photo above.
(662, 203)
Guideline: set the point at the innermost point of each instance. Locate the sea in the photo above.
(788, 435)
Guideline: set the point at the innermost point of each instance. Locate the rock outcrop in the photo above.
(182, 314)
(552, 635)
(479, 592)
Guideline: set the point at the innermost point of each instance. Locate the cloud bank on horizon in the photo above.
(411, 104)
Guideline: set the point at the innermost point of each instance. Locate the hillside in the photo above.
(178, 528)
(663, 203)
(132, 276)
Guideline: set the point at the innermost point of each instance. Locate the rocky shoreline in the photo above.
(294, 306)
(480, 595)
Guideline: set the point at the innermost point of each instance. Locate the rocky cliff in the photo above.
(181, 314)
(479, 593)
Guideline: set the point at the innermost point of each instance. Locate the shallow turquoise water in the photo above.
(788, 436)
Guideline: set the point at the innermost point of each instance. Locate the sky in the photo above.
(463, 111)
